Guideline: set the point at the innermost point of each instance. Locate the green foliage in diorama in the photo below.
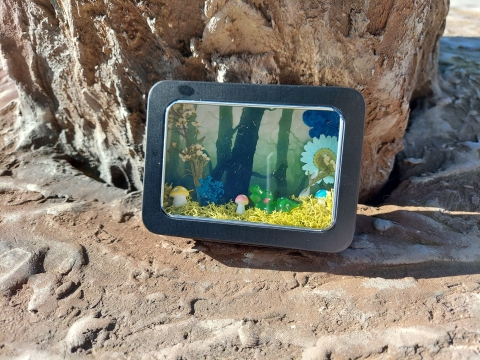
(264, 200)
(310, 214)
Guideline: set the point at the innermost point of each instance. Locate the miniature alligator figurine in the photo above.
(264, 200)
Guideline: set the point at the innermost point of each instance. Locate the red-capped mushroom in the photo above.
(241, 201)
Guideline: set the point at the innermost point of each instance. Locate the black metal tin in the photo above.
(348, 103)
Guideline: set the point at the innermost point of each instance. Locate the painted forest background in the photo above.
(238, 146)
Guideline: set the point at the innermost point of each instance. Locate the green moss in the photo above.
(167, 200)
(310, 214)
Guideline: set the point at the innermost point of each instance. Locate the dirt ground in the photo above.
(80, 276)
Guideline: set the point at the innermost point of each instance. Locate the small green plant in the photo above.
(264, 200)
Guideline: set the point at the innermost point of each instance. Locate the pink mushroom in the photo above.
(241, 201)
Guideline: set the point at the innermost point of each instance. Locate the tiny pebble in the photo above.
(475, 200)
(64, 288)
(382, 225)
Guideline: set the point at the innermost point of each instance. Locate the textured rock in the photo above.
(382, 225)
(8, 91)
(16, 266)
(64, 289)
(83, 70)
(440, 163)
(8, 112)
(248, 336)
(407, 292)
(42, 299)
(84, 331)
(397, 292)
(393, 343)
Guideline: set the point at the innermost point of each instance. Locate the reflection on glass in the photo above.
(271, 165)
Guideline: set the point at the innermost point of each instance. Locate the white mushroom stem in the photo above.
(240, 209)
(179, 200)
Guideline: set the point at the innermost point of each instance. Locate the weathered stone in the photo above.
(248, 335)
(410, 292)
(8, 91)
(83, 70)
(42, 299)
(64, 289)
(84, 331)
(8, 114)
(16, 266)
(475, 200)
(443, 133)
(382, 225)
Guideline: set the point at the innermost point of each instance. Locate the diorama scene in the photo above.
(82, 278)
(268, 165)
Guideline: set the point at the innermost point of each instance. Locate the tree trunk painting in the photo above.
(283, 142)
(240, 169)
(224, 142)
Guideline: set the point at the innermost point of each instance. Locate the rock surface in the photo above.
(411, 290)
(83, 70)
(440, 163)
(98, 285)
(8, 110)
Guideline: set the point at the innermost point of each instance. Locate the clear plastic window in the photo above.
(267, 165)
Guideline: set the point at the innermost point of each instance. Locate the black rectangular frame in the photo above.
(337, 238)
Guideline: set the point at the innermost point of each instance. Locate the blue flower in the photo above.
(322, 122)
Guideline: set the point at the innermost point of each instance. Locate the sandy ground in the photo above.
(80, 277)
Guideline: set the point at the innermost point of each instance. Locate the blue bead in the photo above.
(321, 194)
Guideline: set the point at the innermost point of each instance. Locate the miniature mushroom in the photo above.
(179, 195)
(241, 201)
(321, 196)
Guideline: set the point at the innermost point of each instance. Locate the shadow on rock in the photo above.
(390, 242)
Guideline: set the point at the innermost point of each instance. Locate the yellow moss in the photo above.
(310, 214)
(167, 200)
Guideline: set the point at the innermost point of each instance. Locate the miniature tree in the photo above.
(182, 121)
